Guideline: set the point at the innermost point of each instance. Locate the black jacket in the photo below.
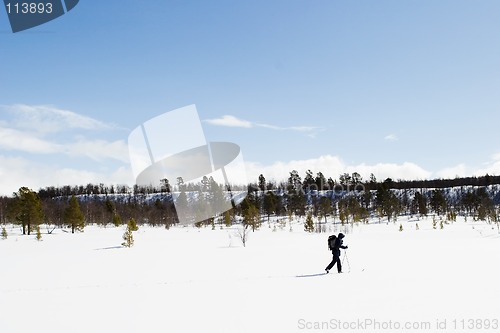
(337, 246)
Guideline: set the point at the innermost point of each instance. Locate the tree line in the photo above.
(344, 200)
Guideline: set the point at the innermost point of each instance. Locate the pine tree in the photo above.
(128, 236)
(270, 204)
(387, 201)
(26, 209)
(309, 183)
(182, 205)
(420, 203)
(400, 227)
(252, 217)
(342, 215)
(309, 224)
(38, 233)
(250, 212)
(320, 181)
(438, 202)
(262, 182)
(296, 200)
(4, 233)
(325, 207)
(117, 220)
(132, 225)
(356, 179)
(345, 181)
(73, 216)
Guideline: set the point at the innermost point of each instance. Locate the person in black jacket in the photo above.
(336, 254)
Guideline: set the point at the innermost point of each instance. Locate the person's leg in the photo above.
(330, 265)
(339, 265)
(335, 260)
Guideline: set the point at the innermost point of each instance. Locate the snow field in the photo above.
(203, 280)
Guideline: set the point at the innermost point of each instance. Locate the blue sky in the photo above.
(404, 89)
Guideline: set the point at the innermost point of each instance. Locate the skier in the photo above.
(336, 254)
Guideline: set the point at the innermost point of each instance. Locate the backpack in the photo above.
(331, 242)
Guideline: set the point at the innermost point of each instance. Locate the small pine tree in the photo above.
(434, 222)
(441, 225)
(417, 227)
(38, 233)
(128, 236)
(4, 233)
(309, 223)
(400, 227)
(73, 215)
(117, 220)
(132, 225)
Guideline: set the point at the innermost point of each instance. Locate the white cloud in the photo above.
(232, 121)
(17, 172)
(13, 139)
(42, 133)
(301, 128)
(48, 119)
(405, 171)
(492, 168)
(391, 137)
(69, 176)
(452, 172)
(333, 166)
(24, 141)
(99, 150)
(33, 127)
(229, 121)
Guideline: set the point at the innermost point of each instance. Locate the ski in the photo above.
(311, 275)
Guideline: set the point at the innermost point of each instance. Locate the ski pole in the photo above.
(345, 257)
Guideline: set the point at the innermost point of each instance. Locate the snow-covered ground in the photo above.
(202, 280)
